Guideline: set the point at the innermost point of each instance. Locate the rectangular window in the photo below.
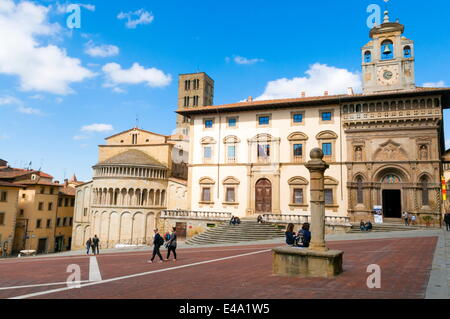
(230, 196)
(298, 150)
(21, 212)
(232, 122)
(329, 200)
(70, 221)
(264, 120)
(206, 194)
(326, 116)
(38, 223)
(52, 190)
(231, 153)
(298, 196)
(42, 190)
(58, 222)
(263, 150)
(49, 223)
(85, 212)
(24, 196)
(207, 152)
(327, 149)
(66, 202)
(65, 221)
(60, 202)
(41, 206)
(50, 206)
(2, 219)
(3, 196)
(208, 123)
(298, 118)
(72, 202)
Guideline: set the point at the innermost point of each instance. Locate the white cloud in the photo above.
(439, 84)
(29, 110)
(97, 128)
(140, 17)
(245, 61)
(39, 67)
(36, 97)
(80, 137)
(9, 100)
(153, 77)
(102, 51)
(319, 78)
(59, 100)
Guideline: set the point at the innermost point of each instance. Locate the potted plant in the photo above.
(428, 220)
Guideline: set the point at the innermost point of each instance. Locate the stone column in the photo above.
(317, 168)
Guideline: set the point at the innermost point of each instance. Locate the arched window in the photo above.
(425, 194)
(387, 50)
(367, 57)
(360, 191)
(407, 51)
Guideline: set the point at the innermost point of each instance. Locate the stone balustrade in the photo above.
(195, 215)
(304, 218)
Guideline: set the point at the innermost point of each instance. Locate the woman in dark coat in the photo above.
(172, 245)
(290, 235)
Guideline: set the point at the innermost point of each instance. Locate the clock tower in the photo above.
(388, 59)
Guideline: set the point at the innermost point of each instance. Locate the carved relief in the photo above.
(390, 151)
(423, 153)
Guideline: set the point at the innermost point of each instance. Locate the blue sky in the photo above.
(56, 83)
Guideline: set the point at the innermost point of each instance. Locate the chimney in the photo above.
(350, 91)
(303, 94)
(66, 182)
(326, 93)
(250, 99)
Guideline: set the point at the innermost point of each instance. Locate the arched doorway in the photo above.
(263, 194)
(392, 196)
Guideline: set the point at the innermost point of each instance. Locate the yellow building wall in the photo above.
(9, 208)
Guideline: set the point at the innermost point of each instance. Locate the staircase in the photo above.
(247, 231)
(387, 227)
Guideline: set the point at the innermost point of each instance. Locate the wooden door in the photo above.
(181, 231)
(42, 246)
(263, 193)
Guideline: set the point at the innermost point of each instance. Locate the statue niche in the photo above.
(390, 151)
(423, 153)
(358, 154)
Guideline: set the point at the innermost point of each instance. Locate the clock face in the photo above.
(388, 75)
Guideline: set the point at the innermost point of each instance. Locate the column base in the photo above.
(306, 263)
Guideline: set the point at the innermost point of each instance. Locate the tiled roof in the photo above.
(40, 182)
(9, 184)
(67, 190)
(135, 129)
(131, 157)
(249, 105)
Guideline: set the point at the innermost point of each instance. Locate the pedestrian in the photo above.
(158, 241)
(260, 219)
(290, 235)
(88, 245)
(447, 220)
(304, 236)
(172, 245)
(413, 220)
(232, 221)
(362, 226)
(96, 242)
(405, 218)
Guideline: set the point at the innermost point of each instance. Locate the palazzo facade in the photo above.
(384, 146)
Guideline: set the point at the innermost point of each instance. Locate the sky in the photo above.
(63, 89)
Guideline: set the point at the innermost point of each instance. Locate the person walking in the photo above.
(96, 242)
(158, 241)
(405, 217)
(88, 245)
(447, 220)
(172, 245)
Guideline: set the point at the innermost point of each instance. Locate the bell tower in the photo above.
(194, 90)
(388, 59)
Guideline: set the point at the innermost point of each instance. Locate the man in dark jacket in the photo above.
(96, 242)
(158, 241)
(447, 221)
